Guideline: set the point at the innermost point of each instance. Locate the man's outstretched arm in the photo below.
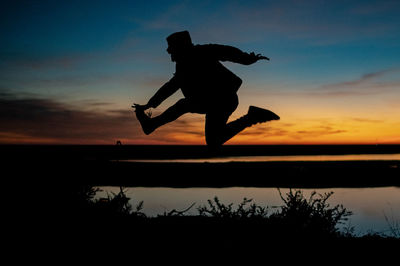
(233, 54)
(163, 93)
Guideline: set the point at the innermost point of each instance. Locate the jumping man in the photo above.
(209, 88)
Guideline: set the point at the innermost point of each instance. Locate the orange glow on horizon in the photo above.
(306, 127)
(274, 134)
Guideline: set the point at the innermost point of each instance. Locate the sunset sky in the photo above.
(70, 70)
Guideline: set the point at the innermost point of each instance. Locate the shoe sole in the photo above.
(144, 121)
(264, 113)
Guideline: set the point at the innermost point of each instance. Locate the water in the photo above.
(285, 158)
(373, 208)
(369, 205)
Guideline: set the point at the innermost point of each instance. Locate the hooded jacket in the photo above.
(202, 77)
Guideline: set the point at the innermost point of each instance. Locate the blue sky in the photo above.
(101, 56)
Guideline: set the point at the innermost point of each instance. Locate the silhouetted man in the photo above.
(209, 88)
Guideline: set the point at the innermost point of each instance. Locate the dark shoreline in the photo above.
(248, 174)
(186, 151)
(46, 221)
(100, 166)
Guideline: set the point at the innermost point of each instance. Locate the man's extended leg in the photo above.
(172, 113)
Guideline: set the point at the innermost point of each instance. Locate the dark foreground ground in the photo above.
(43, 219)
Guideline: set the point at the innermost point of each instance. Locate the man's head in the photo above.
(178, 44)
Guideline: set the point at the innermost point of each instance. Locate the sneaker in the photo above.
(260, 115)
(144, 121)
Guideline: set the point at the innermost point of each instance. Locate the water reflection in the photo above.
(369, 205)
(285, 158)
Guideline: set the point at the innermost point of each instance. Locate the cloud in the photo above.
(374, 83)
(374, 9)
(30, 119)
(128, 51)
(45, 62)
(377, 82)
(267, 131)
(366, 120)
(366, 80)
(43, 120)
(312, 129)
(317, 132)
(316, 22)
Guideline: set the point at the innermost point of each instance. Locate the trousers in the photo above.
(217, 112)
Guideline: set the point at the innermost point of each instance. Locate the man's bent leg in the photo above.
(217, 131)
(255, 115)
(172, 113)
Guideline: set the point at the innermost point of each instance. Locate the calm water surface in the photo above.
(369, 205)
(286, 158)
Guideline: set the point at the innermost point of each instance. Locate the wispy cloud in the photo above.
(268, 130)
(366, 120)
(317, 22)
(366, 80)
(373, 83)
(60, 61)
(44, 120)
(30, 119)
(368, 84)
(318, 132)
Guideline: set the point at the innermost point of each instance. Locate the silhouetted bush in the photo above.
(175, 212)
(301, 216)
(116, 204)
(311, 216)
(84, 194)
(217, 209)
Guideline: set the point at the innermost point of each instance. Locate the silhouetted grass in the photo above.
(394, 225)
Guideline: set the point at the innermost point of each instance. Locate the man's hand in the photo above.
(140, 106)
(252, 58)
(257, 57)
